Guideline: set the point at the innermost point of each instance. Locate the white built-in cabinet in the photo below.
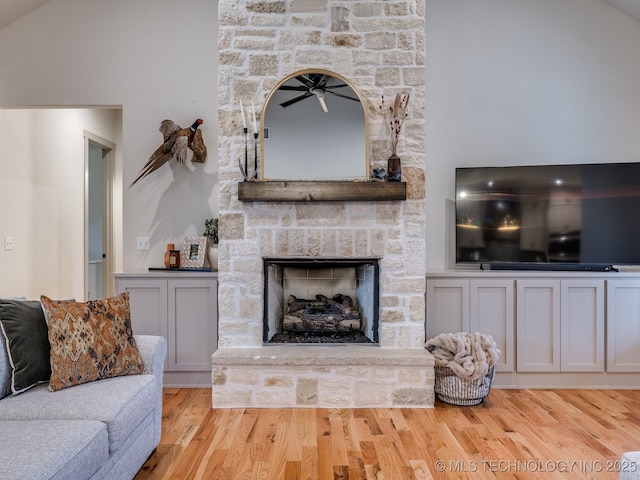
(182, 307)
(623, 326)
(560, 325)
(581, 327)
(485, 306)
(447, 306)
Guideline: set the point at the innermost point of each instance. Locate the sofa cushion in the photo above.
(24, 332)
(52, 449)
(90, 340)
(121, 403)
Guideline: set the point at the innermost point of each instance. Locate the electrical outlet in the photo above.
(142, 243)
(8, 243)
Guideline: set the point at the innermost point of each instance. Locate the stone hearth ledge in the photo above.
(322, 356)
(336, 376)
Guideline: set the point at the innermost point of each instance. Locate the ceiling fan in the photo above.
(314, 84)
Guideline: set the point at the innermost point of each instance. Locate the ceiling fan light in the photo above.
(320, 94)
(323, 104)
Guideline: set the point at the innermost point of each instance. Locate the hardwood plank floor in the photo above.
(540, 434)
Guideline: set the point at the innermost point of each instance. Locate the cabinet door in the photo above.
(447, 306)
(538, 325)
(193, 330)
(491, 312)
(582, 326)
(148, 304)
(623, 326)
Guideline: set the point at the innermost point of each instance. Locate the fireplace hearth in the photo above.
(321, 300)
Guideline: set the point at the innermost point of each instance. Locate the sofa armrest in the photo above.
(630, 466)
(153, 350)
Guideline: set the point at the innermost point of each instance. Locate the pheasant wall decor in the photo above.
(176, 142)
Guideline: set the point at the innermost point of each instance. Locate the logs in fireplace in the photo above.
(321, 320)
(337, 314)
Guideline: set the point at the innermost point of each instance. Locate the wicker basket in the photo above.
(450, 388)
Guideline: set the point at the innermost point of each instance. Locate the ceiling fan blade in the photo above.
(322, 81)
(343, 96)
(305, 81)
(297, 88)
(296, 99)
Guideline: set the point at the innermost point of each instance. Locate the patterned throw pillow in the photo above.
(90, 341)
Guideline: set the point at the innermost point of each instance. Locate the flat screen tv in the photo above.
(564, 217)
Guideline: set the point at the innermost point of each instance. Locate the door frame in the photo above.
(108, 163)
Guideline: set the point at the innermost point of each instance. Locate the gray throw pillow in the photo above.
(5, 368)
(25, 334)
(5, 365)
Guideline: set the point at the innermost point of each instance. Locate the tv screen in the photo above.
(555, 215)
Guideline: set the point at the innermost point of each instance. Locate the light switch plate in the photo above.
(142, 243)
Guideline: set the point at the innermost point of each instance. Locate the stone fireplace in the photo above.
(379, 46)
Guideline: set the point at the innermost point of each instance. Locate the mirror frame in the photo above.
(365, 110)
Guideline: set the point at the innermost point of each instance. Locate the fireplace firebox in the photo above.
(311, 300)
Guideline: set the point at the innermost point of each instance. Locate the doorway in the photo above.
(99, 168)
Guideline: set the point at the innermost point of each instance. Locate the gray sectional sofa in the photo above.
(630, 466)
(104, 429)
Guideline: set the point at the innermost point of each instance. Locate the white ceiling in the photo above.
(11, 10)
(630, 7)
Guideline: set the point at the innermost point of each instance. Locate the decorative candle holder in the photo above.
(255, 159)
(174, 258)
(246, 155)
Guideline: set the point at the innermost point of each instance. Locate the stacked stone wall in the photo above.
(379, 46)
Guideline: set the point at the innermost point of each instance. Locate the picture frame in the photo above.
(193, 252)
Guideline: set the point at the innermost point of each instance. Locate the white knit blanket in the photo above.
(468, 355)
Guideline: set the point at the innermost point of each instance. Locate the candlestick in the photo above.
(255, 126)
(244, 123)
(255, 158)
(246, 155)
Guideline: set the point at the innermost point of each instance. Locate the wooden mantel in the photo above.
(321, 191)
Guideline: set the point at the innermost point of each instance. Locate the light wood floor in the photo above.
(539, 434)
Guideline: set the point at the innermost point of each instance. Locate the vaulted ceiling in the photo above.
(630, 7)
(11, 10)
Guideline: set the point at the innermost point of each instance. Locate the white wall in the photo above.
(154, 58)
(524, 82)
(42, 198)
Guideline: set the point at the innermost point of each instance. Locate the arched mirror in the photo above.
(315, 128)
